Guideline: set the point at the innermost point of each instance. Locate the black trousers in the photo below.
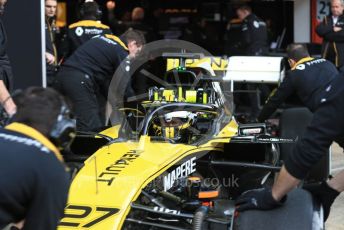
(326, 126)
(84, 95)
(51, 75)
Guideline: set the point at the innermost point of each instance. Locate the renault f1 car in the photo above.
(178, 163)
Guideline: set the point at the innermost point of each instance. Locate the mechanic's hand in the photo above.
(337, 29)
(49, 58)
(257, 199)
(9, 107)
(324, 194)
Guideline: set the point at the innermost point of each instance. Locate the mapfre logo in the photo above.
(300, 67)
(184, 170)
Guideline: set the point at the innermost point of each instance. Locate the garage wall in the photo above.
(302, 21)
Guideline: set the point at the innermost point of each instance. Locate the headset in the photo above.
(64, 129)
(83, 10)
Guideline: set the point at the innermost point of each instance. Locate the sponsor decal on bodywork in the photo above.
(181, 171)
(216, 63)
(113, 170)
(84, 216)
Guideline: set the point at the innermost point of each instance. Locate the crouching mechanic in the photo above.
(33, 179)
(86, 75)
(307, 78)
(326, 126)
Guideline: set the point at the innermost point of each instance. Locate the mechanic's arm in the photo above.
(279, 96)
(284, 184)
(246, 34)
(6, 99)
(335, 36)
(323, 28)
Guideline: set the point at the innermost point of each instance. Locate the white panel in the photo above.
(254, 69)
(44, 75)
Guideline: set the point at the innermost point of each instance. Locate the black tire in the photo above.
(300, 211)
(293, 123)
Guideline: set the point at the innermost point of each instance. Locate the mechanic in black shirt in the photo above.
(327, 125)
(254, 42)
(85, 77)
(307, 78)
(253, 32)
(88, 27)
(5, 69)
(34, 182)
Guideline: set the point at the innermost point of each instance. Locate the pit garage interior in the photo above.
(210, 24)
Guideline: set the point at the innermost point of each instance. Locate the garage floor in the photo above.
(336, 219)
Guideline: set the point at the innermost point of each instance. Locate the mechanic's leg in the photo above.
(81, 91)
(326, 126)
(318, 137)
(102, 102)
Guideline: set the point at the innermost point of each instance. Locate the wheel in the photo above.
(293, 123)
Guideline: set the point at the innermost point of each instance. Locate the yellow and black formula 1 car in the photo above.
(179, 163)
